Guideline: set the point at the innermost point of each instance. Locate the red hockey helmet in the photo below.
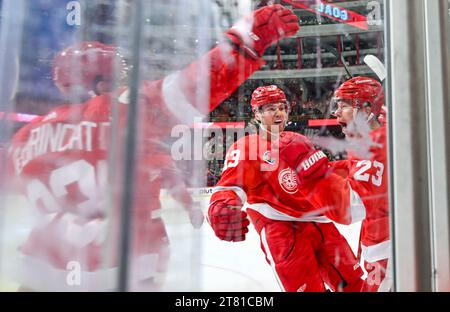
(360, 91)
(267, 95)
(83, 63)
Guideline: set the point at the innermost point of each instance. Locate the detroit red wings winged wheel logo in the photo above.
(288, 180)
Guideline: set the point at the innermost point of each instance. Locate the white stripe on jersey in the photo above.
(239, 192)
(124, 97)
(357, 208)
(377, 252)
(270, 258)
(176, 101)
(271, 213)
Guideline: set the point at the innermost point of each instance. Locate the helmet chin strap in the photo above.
(370, 118)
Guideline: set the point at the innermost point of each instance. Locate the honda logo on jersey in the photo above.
(288, 180)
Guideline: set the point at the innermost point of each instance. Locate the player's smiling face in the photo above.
(344, 114)
(273, 116)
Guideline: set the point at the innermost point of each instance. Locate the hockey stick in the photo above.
(376, 66)
(347, 69)
(338, 55)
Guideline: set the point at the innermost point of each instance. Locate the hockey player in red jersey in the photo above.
(357, 188)
(61, 158)
(363, 96)
(302, 245)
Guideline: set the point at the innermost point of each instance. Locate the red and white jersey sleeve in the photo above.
(356, 189)
(330, 194)
(193, 92)
(265, 183)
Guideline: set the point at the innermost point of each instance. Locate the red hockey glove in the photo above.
(312, 167)
(263, 27)
(294, 148)
(227, 219)
(300, 155)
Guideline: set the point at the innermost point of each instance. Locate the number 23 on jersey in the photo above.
(367, 174)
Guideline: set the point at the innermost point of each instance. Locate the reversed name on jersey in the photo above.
(60, 137)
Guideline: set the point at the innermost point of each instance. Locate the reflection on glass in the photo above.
(263, 114)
